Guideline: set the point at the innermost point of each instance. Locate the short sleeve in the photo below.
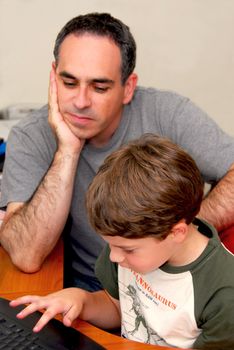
(107, 273)
(218, 322)
(29, 154)
(190, 127)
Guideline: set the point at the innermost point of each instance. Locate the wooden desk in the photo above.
(14, 283)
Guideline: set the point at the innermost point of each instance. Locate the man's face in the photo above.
(142, 255)
(90, 93)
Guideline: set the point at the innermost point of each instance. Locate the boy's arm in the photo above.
(102, 310)
(98, 308)
(217, 322)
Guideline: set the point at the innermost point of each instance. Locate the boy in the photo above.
(162, 282)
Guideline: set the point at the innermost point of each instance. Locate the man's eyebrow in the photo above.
(65, 74)
(103, 81)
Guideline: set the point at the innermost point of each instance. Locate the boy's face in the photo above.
(142, 255)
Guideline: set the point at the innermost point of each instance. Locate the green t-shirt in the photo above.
(186, 306)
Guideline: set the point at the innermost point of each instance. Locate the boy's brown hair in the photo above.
(144, 189)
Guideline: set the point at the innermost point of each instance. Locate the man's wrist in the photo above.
(68, 152)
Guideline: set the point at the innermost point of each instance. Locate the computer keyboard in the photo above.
(17, 334)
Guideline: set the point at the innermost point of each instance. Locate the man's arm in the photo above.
(218, 206)
(98, 308)
(30, 230)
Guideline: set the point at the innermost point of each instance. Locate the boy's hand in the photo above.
(65, 137)
(68, 302)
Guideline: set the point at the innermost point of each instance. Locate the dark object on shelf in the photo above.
(2, 153)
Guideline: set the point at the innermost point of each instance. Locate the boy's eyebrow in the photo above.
(123, 247)
(65, 74)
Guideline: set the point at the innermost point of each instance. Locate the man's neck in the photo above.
(104, 137)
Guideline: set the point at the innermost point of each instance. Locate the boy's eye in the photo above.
(129, 251)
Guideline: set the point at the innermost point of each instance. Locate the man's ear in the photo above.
(179, 231)
(129, 88)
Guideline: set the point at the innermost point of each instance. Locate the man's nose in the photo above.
(82, 98)
(116, 255)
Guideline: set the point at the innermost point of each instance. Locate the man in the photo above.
(95, 107)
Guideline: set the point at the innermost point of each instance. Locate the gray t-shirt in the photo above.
(31, 147)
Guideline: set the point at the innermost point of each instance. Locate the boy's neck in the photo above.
(191, 248)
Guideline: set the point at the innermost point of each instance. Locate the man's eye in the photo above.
(69, 83)
(101, 89)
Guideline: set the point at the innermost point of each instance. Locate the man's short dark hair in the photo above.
(144, 189)
(103, 24)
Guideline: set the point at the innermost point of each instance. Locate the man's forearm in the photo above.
(218, 207)
(30, 233)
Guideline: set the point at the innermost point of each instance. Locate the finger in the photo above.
(53, 102)
(52, 85)
(45, 318)
(52, 78)
(30, 309)
(24, 300)
(67, 322)
(70, 315)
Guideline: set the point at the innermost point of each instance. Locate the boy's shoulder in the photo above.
(214, 268)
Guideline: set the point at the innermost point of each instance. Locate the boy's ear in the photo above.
(129, 88)
(179, 231)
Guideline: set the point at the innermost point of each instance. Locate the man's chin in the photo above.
(79, 132)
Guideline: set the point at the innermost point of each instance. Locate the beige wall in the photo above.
(183, 45)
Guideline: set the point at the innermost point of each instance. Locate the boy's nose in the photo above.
(116, 255)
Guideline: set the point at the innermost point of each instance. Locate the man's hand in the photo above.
(65, 138)
(68, 302)
(2, 215)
